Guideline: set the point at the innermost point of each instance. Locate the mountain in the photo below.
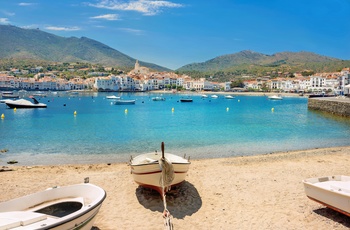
(252, 61)
(21, 43)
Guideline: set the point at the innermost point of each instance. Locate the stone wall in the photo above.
(334, 106)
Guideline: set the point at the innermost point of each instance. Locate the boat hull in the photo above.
(331, 191)
(146, 170)
(186, 100)
(69, 207)
(24, 104)
(125, 102)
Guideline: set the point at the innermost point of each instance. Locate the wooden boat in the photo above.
(25, 104)
(186, 100)
(148, 170)
(124, 102)
(331, 191)
(69, 207)
(275, 97)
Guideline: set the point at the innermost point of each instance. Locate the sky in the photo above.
(178, 32)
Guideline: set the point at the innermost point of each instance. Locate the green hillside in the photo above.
(18, 43)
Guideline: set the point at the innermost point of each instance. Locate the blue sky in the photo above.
(178, 32)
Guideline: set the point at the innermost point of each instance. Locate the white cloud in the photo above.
(56, 28)
(26, 4)
(132, 31)
(147, 7)
(4, 21)
(110, 17)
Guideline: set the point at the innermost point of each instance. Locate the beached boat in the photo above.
(25, 104)
(186, 100)
(229, 97)
(275, 97)
(331, 191)
(69, 207)
(124, 102)
(150, 169)
(112, 97)
(158, 99)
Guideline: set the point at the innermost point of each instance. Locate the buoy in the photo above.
(15, 109)
(172, 110)
(273, 109)
(2, 116)
(227, 109)
(239, 100)
(75, 113)
(126, 110)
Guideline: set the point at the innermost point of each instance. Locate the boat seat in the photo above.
(15, 219)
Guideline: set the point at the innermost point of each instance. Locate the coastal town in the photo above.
(143, 79)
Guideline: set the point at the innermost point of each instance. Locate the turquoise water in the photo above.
(206, 128)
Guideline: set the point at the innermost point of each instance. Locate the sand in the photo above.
(254, 192)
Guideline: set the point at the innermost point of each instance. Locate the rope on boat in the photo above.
(166, 178)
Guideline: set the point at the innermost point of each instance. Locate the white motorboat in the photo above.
(204, 96)
(69, 207)
(9, 95)
(150, 169)
(214, 96)
(25, 104)
(158, 99)
(331, 191)
(124, 102)
(113, 97)
(275, 97)
(229, 97)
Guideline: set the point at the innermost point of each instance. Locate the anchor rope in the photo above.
(167, 176)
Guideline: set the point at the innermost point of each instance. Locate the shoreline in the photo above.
(245, 192)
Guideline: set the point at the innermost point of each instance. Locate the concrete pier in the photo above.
(334, 105)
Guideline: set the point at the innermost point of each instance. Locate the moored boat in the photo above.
(124, 102)
(25, 104)
(214, 96)
(9, 95)
(331, 191)
(186, 100)
(158, 99)
(68, 207)
(229, 97)
(112, 97)
(149, 169)
(275, 97)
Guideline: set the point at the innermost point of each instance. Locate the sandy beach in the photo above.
(254, 192)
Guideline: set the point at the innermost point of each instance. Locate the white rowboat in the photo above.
(331, 191)
(69, 207)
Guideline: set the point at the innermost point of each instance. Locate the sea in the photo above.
(89, 128)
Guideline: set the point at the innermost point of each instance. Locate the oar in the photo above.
(162, 147)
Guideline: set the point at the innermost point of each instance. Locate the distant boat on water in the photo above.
(158, 99)
(186, 100)
(124, 102)
(275, 97)
(112, 97)
(229, 97)
(9, 94)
